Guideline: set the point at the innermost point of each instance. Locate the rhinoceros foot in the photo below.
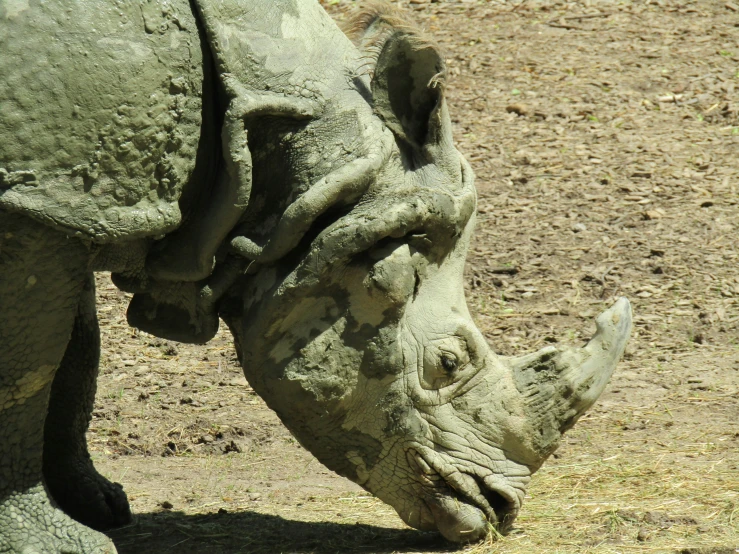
(29, 524)
(87, 496)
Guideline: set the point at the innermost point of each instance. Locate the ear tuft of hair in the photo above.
(375, 22)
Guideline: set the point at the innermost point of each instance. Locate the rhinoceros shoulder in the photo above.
(100, 113)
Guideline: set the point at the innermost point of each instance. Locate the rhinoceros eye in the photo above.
(449, 362)
(443, 362)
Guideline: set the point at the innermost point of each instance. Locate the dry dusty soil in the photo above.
(605, 137)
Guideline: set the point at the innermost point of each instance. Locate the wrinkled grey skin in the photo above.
(252, 163)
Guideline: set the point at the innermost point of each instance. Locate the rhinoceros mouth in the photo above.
(449, 487)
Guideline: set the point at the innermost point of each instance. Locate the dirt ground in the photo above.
(605, 137)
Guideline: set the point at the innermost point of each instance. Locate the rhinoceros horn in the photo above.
(558, 386)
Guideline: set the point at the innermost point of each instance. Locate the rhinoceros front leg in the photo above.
(41, 277)
(72, 479)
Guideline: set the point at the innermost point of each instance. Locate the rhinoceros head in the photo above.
(355, 329)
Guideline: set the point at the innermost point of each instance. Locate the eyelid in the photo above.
(461, 357)
(444, 349)
(470, 345)
(462, 350)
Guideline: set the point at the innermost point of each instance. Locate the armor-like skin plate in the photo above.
(100, 113)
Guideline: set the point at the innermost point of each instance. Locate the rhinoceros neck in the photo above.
(289, 47)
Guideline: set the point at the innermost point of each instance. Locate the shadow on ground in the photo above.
(227, 533)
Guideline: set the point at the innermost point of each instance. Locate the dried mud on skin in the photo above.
(605, 138)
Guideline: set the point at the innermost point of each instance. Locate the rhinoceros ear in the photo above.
(408, 88)
(407, 69)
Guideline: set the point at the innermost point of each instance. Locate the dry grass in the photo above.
(603, 506)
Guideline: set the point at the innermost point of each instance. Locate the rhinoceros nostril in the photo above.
(503, 508)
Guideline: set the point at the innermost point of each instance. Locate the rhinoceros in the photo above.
(249, 161)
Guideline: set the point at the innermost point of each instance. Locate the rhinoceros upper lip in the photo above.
(494, 503)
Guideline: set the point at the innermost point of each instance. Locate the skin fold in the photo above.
(229, 161)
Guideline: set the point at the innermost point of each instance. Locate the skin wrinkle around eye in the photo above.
(429, 397)
(435, 375)
(410, 369)
(470, 340)
(466, 380)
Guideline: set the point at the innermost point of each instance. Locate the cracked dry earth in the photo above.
(605, 137)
